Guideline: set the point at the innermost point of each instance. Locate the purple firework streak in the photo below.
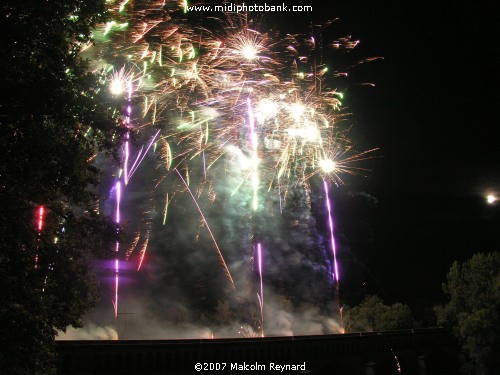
(204, 85)
(261, 296)
(118, 190)
(335, 273)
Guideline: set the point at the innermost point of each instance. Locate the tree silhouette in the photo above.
(54, 118)
(472, 312)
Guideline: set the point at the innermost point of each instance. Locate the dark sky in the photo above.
(433, 113)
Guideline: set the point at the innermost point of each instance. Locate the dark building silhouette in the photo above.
(416, 352)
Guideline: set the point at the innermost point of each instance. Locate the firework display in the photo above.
(218, 102)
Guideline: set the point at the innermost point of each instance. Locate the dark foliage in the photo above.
(373, 315)
(472, 312)
(53, 120)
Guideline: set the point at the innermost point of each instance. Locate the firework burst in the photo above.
(200, 97)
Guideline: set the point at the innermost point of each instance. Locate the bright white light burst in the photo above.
(249, 52)
(117, 86)
(327, 165)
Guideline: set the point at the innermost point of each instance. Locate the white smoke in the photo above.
(280, 319)
(90, 331)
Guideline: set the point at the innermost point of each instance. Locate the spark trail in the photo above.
(221, 258)
(41, 211)
(118, 188)
(261, 296)
(196, 87)
(332, 238)
(335, 273)
(39, 224)
(255, 158)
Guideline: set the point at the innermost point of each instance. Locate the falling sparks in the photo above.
(255, 158)
(221, 258)
(208, 96)
(261, 296)
(41, 211)
(335, 275)
(118, 188)
(143, 252)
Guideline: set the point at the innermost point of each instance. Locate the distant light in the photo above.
(117, 86)
(327, 165)
(40, 218)
(297, 110)
(249, 52)
(306, 133)
(266, 109)
(244, 162)
(491, 199)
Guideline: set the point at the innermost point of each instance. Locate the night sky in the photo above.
(432, 114)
